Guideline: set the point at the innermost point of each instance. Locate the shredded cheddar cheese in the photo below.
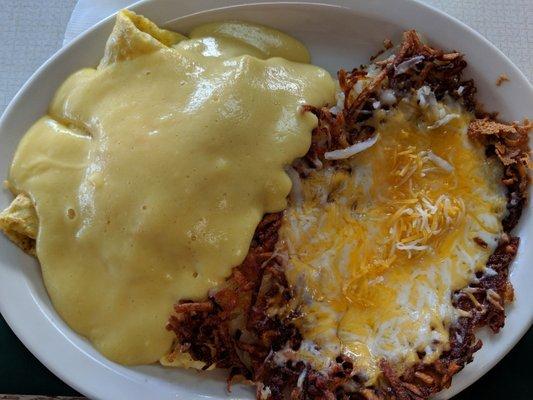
(377, 247)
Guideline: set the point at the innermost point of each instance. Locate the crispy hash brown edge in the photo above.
(241, 326)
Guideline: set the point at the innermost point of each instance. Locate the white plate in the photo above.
(341, 34)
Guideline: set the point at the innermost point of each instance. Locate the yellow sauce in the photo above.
(150, 173)
(376, 252)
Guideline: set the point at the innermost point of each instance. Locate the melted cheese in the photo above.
(150, 173)
(377, 248)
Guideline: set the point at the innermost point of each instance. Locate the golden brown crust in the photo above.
(20, 224)
(510, 143)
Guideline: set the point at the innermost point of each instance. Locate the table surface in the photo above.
(32, 30)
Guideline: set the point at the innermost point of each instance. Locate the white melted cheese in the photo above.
(376, 253)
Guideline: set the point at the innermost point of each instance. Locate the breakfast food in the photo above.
(151, 172)
(141, 189)
(394, 248)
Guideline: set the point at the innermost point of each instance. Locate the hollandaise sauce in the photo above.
(150, 173)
